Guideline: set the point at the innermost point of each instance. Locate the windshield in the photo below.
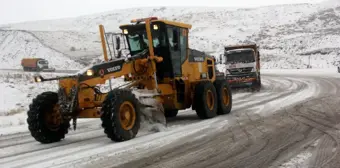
(138, 40)
(43, 62)
(243, 56)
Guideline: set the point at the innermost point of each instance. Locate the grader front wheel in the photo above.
(44, 119)
(120, 115)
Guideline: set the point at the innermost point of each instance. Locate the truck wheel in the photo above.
(170, 113)
(45, 121)
(224, 97)
(205, 100)
(257, 84)
(120, 115)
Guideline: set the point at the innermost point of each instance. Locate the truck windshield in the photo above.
(43, 62)
(243, 56)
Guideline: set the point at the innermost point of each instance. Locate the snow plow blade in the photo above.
(152, 111)
(151, 108)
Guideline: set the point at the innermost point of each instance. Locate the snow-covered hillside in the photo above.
(287, 34)
(15, 45)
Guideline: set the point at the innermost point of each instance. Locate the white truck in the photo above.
(243, 66)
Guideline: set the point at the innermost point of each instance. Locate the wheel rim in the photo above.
(225, 97)
(210, 99)
(127, 115)
(53, 118)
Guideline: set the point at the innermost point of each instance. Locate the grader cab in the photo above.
(162, 74)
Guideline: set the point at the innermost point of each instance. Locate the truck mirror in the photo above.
(117, 43)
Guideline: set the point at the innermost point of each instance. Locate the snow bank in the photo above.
(330, 3)
(18, 90)
(326, 72)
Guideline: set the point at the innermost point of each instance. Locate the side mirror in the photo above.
(221, 56)
(175, 39)
(117, 43)
(119, 54)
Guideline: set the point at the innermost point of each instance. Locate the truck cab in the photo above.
(243, 66)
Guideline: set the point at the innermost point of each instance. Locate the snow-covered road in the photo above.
(274, 127)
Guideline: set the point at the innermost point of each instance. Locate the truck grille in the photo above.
(240, 70)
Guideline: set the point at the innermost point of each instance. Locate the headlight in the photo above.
(155, 27)
(125, 31)
(227, 72)
(89, 72)
(253, 69)
(37, 79)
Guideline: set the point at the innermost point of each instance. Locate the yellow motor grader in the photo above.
(162, 76)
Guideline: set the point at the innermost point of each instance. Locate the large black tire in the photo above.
(201, 100)
(37, 124)
(257, 84)
(224, 97)
(113, 119)
(170, 113)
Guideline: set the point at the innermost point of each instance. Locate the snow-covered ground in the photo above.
(91, 145)
(289, 36)
(18, 90)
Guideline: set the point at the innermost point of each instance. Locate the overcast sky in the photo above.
(26, 10)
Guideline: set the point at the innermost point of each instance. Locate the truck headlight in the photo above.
(227, 72)
(253, 69)
(89, 72)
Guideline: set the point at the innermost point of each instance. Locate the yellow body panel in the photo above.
(178, 24)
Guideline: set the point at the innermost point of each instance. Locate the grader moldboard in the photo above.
(161, 67)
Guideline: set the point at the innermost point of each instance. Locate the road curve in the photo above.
(290, 116)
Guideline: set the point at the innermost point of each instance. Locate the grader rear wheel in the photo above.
(224, 97)
(121, 115)
(44, 119)
(205, 100)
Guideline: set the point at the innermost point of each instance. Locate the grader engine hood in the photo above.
(95, 71)
(102, 69)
